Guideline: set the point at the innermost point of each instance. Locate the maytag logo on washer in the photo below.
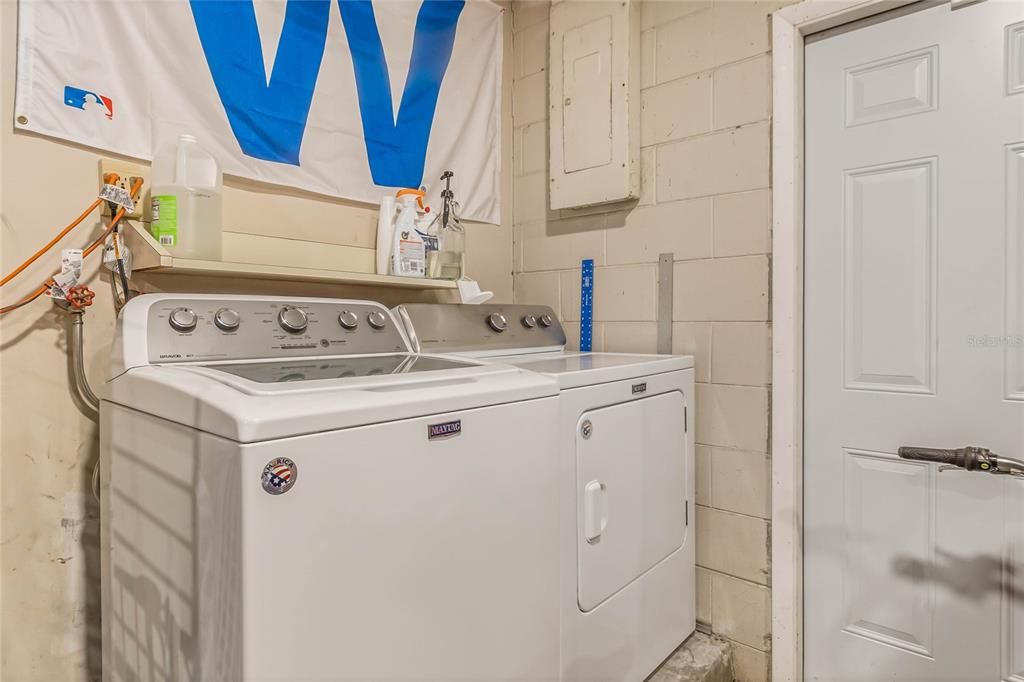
(279, 475)
(444, 429)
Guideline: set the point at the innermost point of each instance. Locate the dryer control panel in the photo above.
(456, 328)
(187, 328)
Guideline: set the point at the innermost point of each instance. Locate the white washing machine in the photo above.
(290, 495)
(626, 452)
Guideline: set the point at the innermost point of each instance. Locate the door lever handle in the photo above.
(970, 458)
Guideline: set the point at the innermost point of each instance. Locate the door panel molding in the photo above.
(1013, 341)
(1015, 58)
(1013, 584)
(885, 347)
(870, 93)
(895, 613)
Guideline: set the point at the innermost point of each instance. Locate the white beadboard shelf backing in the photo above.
(149, 256)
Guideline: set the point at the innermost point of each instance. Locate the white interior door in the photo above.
(914, 318)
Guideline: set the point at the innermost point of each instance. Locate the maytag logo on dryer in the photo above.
(640, 388)
(444, 430)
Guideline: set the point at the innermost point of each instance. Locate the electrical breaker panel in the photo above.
(595, 103)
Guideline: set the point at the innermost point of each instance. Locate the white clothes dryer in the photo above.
(288, 493)
(626, 455)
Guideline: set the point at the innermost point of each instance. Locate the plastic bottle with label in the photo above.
(385, 234)
(186, 200)
(408, 255)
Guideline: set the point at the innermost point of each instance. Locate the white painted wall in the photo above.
(704, 135)
(48, 520)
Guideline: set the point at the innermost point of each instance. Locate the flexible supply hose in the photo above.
(76, 356)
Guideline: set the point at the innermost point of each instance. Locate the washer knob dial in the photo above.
(377, 319)
(497, 322)
(183, 319)
(292, 319)
(227, 320)
(529, 321)
(348, 319)
(545, 320)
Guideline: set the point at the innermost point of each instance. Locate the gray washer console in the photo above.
(242, 328)
(455, 328)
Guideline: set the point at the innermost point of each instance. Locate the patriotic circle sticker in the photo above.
(279, 475)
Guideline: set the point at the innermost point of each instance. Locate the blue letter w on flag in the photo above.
(397, 148)
(267, 118)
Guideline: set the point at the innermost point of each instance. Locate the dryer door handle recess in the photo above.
(595, 511)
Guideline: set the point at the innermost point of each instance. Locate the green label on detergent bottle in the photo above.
(165, 219)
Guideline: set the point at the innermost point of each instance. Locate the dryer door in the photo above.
(631, 492)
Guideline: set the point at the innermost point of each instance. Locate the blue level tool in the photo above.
(587, 306)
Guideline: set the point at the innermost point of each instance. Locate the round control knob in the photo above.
(497, 322)
(377, 319)
(545, 320)
(348, 319)
(529, 321)
(292, 319)
(227, 320)
(183, 319)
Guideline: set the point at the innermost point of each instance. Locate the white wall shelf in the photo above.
(149, 257)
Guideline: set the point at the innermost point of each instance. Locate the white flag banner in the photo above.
(349, 98)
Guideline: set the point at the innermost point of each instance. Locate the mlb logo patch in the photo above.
(88, 101)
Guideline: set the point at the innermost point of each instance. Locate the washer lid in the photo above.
(572, 370)
(319, 369)
(256, 401)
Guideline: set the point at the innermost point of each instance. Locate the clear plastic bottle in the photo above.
(186, 200)
(447, 261)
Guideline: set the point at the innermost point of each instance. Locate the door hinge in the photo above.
(686, 419)
(687, 512)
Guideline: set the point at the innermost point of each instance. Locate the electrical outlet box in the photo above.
(127, 171)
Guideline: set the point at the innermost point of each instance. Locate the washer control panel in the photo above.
(240, 328)
(453, 328)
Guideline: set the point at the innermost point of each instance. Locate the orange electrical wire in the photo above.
(109, 178)
(78, 221)
(136, 186)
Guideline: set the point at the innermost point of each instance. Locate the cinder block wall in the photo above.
(705, 197)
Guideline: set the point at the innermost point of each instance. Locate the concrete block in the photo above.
(701, 658)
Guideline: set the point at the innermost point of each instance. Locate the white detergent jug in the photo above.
(186, 200)
(408, 255)
(385, 234)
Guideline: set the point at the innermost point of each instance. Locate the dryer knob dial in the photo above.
(292, 319)
(497, 322)
(377, 319)
(529, 321)
(227, 320)
(545, 320)
(348, 319)
(183, 319)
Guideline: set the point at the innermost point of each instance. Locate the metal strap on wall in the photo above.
(665, 273)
